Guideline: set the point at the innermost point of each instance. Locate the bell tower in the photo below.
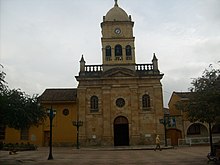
(117, 39)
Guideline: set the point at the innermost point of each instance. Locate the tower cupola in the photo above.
(117, 39)
(116, 14)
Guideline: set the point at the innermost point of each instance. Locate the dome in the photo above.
(116, 14)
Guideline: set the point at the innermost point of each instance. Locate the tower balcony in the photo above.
(140, 70)
(144, 67)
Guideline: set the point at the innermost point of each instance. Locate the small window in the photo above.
(120, 102)
(145, 101)
(118, 50)
(66, 112)
(194, 129)
(24, 134)
(172, 122)
(94, 103)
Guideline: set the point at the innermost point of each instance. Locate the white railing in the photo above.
(197, 140)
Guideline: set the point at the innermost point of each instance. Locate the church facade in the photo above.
(120, 102)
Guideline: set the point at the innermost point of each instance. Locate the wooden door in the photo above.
(174, 135)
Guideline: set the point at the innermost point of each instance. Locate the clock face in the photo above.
(117, 30)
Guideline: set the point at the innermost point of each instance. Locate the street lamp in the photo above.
(165, 121)
(77, 124)
(51, 113)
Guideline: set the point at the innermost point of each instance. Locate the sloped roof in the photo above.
(59, 94)
(183, 94)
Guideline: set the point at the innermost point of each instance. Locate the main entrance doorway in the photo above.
(121, 131)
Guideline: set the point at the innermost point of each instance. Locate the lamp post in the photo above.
(51, 113)
(77, 124)
(165, 121)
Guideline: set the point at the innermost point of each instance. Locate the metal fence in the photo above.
(197, 141)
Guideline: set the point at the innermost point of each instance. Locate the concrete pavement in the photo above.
(109, 156)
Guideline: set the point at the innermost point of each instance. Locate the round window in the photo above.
(120, 102)
(65, 112)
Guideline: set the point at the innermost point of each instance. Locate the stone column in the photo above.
(81, 96)
(107, 125)
(134, 123)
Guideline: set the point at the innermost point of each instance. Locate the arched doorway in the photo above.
(121, 131)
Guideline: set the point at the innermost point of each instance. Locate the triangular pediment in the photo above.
(119, 72)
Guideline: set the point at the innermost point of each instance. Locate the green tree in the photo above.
(17, 109)
(204, 100)
(2, 77)
(3, 98)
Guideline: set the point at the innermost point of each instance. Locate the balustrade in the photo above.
(144, 67)
(93, 68)
(138, 67)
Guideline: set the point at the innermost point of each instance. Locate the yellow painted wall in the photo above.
(172, 108)
(12, 135)
(64, 133)
(35, 136)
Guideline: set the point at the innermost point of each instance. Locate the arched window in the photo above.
(128, 50)
(194, 129)
(108, 51)
(94, 103)
(118, 50)
(145, 101)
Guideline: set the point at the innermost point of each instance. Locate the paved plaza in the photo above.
(109, 156)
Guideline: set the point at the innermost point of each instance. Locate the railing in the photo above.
(93, 68)
(143, 67)
(128, 57)
(118, 58)
(197, 140)
(108, 58)
(140, 69)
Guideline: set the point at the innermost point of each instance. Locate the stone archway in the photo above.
(121, 131)
(197, 130)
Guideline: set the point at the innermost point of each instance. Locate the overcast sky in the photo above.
(41, 41)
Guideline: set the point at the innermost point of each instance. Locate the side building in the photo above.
(184, 132)
(64, 133)
(64, 102)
